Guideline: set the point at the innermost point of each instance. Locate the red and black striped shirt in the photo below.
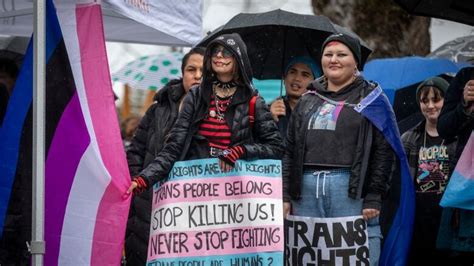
(213, 127)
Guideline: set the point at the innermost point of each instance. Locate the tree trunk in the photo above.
(388, 29)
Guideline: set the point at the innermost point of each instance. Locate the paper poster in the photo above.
(326, 241)
(201, 216)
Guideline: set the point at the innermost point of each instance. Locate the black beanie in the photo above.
(353, 44)
(437, 82)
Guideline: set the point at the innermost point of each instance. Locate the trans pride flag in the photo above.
(460, 190)
(86, 171)
(376, 108)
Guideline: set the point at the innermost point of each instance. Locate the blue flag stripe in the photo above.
(377, 109)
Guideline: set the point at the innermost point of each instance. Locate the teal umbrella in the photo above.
(150, 72)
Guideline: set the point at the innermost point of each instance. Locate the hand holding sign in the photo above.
(286, 209)
(370, 213)
(205, 215)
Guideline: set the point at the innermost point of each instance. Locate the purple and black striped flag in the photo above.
(86, 169)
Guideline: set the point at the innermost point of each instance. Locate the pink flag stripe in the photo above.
(235, 240)
(113, 210)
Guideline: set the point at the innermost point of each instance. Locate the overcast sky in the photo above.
(218, 12)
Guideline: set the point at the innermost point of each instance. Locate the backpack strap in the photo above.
(252, 103)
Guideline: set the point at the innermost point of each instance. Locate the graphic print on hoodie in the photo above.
(325, 118)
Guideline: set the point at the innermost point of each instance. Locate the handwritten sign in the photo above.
(201, 216)
(326, 241)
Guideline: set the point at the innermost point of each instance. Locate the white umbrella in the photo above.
(150, 72)
(165, 22)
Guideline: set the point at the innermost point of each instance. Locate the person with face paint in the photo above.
(429, 158)
(215, 119)
(148, 141)
(298, 75)
(337, 163)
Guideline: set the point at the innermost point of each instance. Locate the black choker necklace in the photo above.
(224, 85)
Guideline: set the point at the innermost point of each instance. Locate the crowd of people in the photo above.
(336, 163)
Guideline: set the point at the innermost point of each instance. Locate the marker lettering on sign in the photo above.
(326, 243)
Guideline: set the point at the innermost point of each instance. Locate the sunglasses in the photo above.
(219, 49)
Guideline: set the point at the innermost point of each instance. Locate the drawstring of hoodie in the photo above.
(318, 175)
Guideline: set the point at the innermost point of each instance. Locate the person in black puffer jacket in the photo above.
(147, 142)
(215, 121)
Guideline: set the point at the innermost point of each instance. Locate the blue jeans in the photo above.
(324, 195)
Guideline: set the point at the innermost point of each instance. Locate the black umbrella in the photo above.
(274, 38)
(460, 50)
(455, 10)
(407, 109)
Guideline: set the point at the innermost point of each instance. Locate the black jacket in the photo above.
(147, 142)
(154, 127)
(453, 120)
(372, 162)
(184, 143)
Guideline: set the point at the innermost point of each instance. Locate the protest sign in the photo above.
(201, 216)
(326, 241)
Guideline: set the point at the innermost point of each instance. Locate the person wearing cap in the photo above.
(337, 163)
(429, 157)
(214, 121)
(298, 75)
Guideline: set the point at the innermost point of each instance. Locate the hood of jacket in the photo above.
(173, 90)
(234, 43)
(359, 85)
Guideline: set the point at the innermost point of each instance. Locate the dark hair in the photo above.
(9, 66)
(195, 50)
(425, 90)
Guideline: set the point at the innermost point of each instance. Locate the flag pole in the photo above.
(37, 246)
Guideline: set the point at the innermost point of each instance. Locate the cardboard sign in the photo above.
(326, 241)
(201, 216)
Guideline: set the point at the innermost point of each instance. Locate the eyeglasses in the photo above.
(219, 49)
